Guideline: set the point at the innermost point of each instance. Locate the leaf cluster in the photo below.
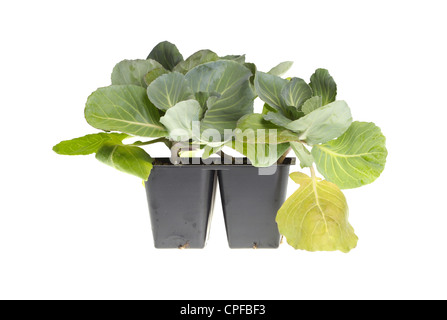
(320, 130)
(162, 97)
(206, 101)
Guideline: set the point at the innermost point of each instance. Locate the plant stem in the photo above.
(283, 157)
(168, 143)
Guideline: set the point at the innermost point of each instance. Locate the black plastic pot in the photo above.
(251, 198)
(181, 199)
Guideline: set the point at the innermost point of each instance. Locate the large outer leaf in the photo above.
(323, 85)
(166, 54)
(133, 71)
(179, 120)
(196, 59)
(315, 217)
(87, 144)
(296, 92)
(356, 158)
(125, 158)
(169, 89)
(263, 131)
(124, 108)
(231, 95)
(323, 124)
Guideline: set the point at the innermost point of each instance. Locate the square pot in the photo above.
(251, 198)
(180, 199)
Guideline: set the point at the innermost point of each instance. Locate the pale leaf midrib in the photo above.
(317, 202)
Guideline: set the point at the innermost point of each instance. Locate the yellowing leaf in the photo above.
(315, 217)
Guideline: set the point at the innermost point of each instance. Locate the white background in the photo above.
(73, 228)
